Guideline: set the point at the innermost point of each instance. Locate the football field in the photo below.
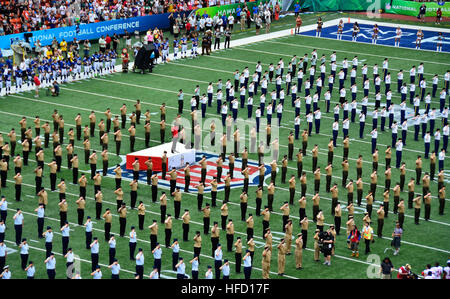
(421, 244)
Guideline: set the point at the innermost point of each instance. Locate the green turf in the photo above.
(162, 86)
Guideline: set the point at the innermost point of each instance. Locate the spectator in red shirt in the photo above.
(37, 83)
(108, 42)
(188, 28)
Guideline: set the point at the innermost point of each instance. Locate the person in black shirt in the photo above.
(422, 12)
(227, 38)
(386, 268)
(328, 241)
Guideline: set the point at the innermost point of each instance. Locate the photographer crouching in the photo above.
(54, 89)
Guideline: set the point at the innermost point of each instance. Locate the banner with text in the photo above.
(340, 5)
(231, 8)
(90, 31)
(411, 8)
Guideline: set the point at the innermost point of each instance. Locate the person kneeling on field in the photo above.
(55, 89)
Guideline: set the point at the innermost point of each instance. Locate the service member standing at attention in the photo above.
(153, 234)
(215, 233)
(206, 218)
(266, 259)
(197, 244)
(65, 229)
(380, 213)
(163, 206)
(108, 220)
(118, 139)
(133, 193)
(81, 203)
(141, 215)
(140, 264)
(247, 265)
(427, 203)
(63, 212)
(122, 218)
(281, 257)
(94, 253)
(186, 218)
(250, 223)
(218, 254)
(50, 265)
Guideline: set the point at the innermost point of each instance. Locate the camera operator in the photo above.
(327, 240)
(405, 272)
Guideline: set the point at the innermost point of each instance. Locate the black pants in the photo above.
(337, 224)
(18, 192)
(227, 194)
(380, 227)
(65, 245)
(24, 259)
(51, 273)
(247, 272)
(141, 219)
(316, 185)
(53, 181)
(98, 210)
(154, 192)
(206, 221)
(48, 249)
(304, 237)
(163, 213)
(93, 170)
(243, 210)
(217, 265)
(132, 141)
(75, 175)
(107, 231)
(265, 226)
(62, 218)
(270, 202)
(258, 206)
(359, 194)
(416, 215)
(238, 260)
(213, 198)
(153, 241)
(224, 222)
(369, 210)
(112, 255)
(367, 242)
(140, 271)
(175, 256)
(168, 236)
(40, 225)
(187, 181)
(80, 213)
(177, 208)
(427, 211)
(214, 242)
(94, 259)
(132, 246)
(185, 231)
(118, 147)
(123, 224)
(199, 201)
(249, 233)
(133, 196)
(230, 238)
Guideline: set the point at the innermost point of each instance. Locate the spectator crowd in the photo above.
(18, 16)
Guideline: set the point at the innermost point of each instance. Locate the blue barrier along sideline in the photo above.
(92, 30)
